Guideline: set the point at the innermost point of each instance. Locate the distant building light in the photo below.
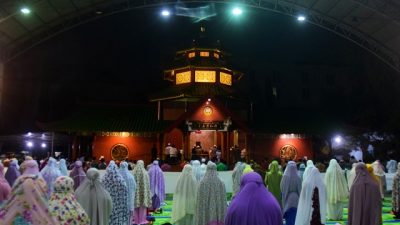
(209, 99)
(237, 11)
(282, 136)
(29, 134)
(43, 145)
(25, 10)
(301, 18)
(165, 13)
(338, 139)
(29, 144)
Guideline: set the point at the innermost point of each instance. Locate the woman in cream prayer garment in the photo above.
(336, 189)
(184, 200)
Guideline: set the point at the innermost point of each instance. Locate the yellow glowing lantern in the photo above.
(204, 54)
(183, 77)
(192, 54)
(204, 76)
(225, 78)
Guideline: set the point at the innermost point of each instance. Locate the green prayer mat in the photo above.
(387, 216)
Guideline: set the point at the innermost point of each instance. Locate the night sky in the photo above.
(120, 58)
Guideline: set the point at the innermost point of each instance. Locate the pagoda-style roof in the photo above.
(193, 92)
(109, 118)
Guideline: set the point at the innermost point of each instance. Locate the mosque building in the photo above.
(201, 109)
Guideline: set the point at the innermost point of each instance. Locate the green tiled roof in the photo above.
(109, 118)
(193, 90)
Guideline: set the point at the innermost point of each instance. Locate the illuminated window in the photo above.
(216, 55)
(225, 78)
(192, 54)
(205, 76)
(184, 77)
(204, 54)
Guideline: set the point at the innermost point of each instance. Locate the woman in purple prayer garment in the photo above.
(12, 172)
(253, 204)
(77, 174)
(157, 185)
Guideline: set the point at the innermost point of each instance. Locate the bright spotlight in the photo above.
(338, 139)
(25, 10)
(29, 134)
(301, 18)
(237, 11)
(43, 145)
(165, 13)
(29, 144)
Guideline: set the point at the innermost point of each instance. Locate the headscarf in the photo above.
(27, 202)
(236, 177)
(364, 210)
(391, 166)
(5, 188)
(157, 183)
(208, 212)
(185, 195)
(12, 172)
(130, 183)
(94, 198)
(378, 168)
(143, 194)
(15, 161)
(336, 185)
(77, 174)
(221, 167)
(203, 169)
(253, 204)
(247, 169)
(30, 167)
(63, 167)
(310, 164)
(273, 180)
(50, 173)
(113, 182)
(63, 205)
(370, 170)
(304, 210)
(302, 167)
(196, 170)
(290, 187)
(352, 175)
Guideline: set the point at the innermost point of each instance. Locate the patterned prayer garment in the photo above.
(396, 193)
(337, 190)
(184, 199)
(157, 185)
(27, 204)
(94, 198)
(77, 174)
(63, 204)
(115, 185)
(210, 205)
(236, 177)
(143, 194)
(50, 173)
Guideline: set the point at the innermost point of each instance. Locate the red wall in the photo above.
(269, 147)
(139, 147)
(216, 114)
(175, 137)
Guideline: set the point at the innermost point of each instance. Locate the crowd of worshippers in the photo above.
(299, 195)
